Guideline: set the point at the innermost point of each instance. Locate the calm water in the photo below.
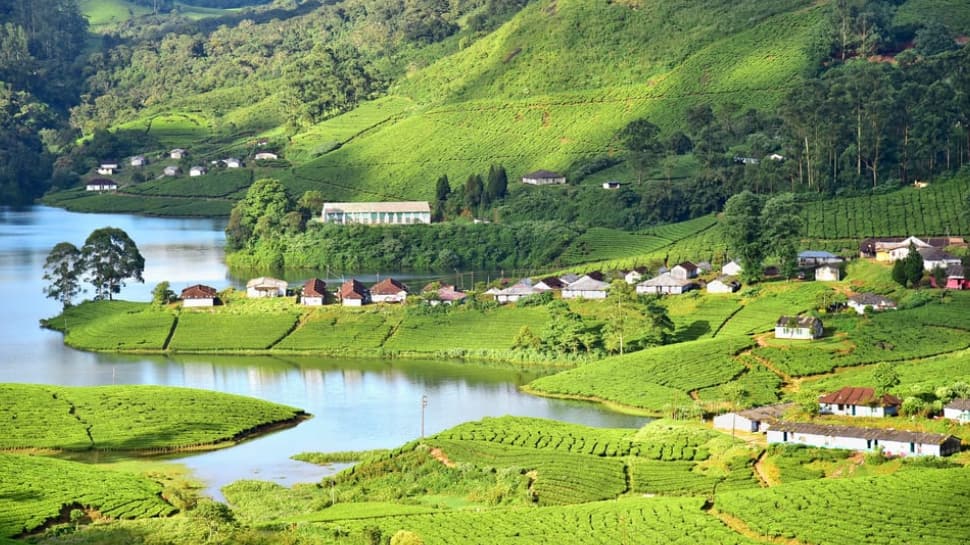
(356, 404)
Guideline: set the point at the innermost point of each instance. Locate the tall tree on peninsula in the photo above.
(110, 258)
(63, 269)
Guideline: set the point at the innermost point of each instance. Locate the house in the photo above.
(861, 301)
(665, 284)
(513, 293)
(731, 268)
(892, 442)
(746, 160)
(550, 283)
(798, 327)
(266, 156)
(101, 184)
(353, 294)
(388, 291)
(265, 286)
(754, 420)
(704, 267)
(683, 271)
(232, 162)
(880, 248)
(633, 277)
(851, 401)
(172, 171)
(445, 294)
(198, 296)
(377, 213)
(544, 177)
(611, 185)
(958, 409)
(314, 293)
(955, 279)
(775, 157)
(828, 273)
(138, 161)
(724, 284)
(586, 287)
(107, 169)
(814, 258)
(569, 278)
(935, 257)
(178, 153)
(198, 171)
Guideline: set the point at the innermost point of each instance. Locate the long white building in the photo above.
(377, 213)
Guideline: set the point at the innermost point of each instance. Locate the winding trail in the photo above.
(741, 527)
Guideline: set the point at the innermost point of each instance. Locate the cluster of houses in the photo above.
(852, 402)
(931, 249)
(315, 292)
(110, 168)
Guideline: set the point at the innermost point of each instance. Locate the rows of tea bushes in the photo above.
(35, 489)
(545, 435)
(765, 304)
(114, 325)
(465, 328)
(689, 478)
(759, 385)
(926, 506)
(129, 418)
(330, 329)
(227, 330)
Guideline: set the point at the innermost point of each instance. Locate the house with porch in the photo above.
(377, 213)
(798, 327)
(892, 442)
(724, 284)
(266, 286)
(861, 301)
(544, 177)
(198, 295)
(851, 401)
(665, 284)
(314, 293)
(388, 291)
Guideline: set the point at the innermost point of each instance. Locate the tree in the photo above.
(885, 377)
(259, 214)
(781, 224)
(63, 269)
(742, 229)
(934, 38)
(473, 192)
(564, 330)
(162, 294)
(908, 272)
(110, 257)
(661, 326)
(624, 317)
(642, 143)
(497, 184)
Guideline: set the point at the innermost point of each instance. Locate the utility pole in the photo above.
(424, 405)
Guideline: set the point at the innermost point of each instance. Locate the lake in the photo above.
(357, 404)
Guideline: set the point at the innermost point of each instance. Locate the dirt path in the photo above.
(742, 528)
(440, 455)
(759, 471)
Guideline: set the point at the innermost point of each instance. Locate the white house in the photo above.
(515, 292)
(353, 294)
(934, 257)
(101, 185)
(860, 301)
(544, 177)
(633, 277)
(798, 327)
(892, 442)
(569, 278)
(138, 161)
(388, 291)
(265, 286)
(731, 268)
(754, 420)
(314, 293)
(197, 171)
(851, 401)
(723, 284)
(586, 288)
(550, 283)
(172, 171)
(377, 213)
(683, 271)
(828, 273)
(107, 169)
(611, 185)
(198, 296)
(232, 162)
(178, 153)
(959, 410)
(665, 284)
(704, 267)
(814, 258)
(266, 156)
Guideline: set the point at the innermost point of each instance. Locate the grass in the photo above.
(217, 183)
(335, 329)
(35, 490)
(129, 418)
(228, 330)
(115, 326)
(465, 329)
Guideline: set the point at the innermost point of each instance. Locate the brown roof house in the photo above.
(314, 293)
(199, 296)
(798, 327)
(353, 294)
(388, 291)
(851, 401)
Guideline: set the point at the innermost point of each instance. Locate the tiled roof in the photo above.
(198, 291)
(315, 287)
(352, 289)
(768, 412)
(858, 396)
(388, 286)
(266, 283)
(863, 433)
(959, 404)
(800, 321)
